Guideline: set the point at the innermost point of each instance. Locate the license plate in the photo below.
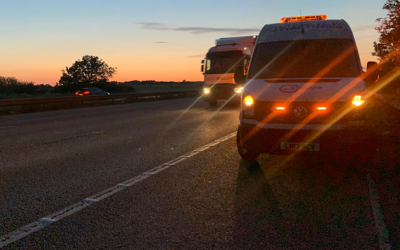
(300, 146)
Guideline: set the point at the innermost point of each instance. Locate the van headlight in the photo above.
(248, 105)
(358, 100)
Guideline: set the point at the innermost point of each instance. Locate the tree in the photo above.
(85, 73)
(11, 85)
(387, 49)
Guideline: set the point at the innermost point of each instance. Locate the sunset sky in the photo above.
(150, 40)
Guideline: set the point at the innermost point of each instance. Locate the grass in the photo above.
(139, 89)
(86, 103)
(158, 88)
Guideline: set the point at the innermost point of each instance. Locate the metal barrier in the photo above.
(83, 99)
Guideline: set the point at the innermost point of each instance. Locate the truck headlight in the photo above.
(238, 90)
(206, 91)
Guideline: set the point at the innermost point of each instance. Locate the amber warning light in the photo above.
(303, 18)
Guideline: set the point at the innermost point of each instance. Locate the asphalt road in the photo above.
(210, 200)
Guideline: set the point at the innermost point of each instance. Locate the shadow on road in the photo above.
(303, 204)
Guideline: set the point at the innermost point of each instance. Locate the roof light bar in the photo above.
(303, 18)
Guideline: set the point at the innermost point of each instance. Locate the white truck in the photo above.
(305, 91)
(219, 65)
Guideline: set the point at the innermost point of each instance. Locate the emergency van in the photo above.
(219, 65)
(305, 90)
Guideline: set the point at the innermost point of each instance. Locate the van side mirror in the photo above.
(239, 75)
(372, 72)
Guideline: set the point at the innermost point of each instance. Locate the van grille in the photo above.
(265, 113)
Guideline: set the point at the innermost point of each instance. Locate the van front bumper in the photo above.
(344, 138)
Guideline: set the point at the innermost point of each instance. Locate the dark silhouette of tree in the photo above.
(83, 73)
(387, 49)
(11, 85)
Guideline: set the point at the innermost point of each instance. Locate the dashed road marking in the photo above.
(54, 217)
(381, 227)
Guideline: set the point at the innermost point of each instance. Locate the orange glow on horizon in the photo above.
(161, 65)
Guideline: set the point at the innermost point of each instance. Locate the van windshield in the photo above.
(224, 62)
(305, 59)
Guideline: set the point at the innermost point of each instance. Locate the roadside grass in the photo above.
(139, 89)
(27, 96)
(159, 88)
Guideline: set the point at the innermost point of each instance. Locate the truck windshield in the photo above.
(224, 61)
(305, 59)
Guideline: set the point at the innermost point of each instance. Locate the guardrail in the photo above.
(83, 99)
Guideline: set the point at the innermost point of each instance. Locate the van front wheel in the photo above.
(247, 149)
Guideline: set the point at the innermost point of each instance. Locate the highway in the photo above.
(200, 195)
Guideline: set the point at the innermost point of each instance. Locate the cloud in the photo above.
(197, 30)
(152, 26)
(196, 56)
(203, 30)
(363, 27)
(161, 42)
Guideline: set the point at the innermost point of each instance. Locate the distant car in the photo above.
(91, 91)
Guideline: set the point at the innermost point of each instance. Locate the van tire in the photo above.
(248, 150)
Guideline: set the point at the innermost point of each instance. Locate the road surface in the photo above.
(200, 195)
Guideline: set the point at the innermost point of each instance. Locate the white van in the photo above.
(305, 90)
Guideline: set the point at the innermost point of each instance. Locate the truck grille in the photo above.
(223, 91)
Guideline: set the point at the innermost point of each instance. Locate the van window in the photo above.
(304, 59)
(224, 61)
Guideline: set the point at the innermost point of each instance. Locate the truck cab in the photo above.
(305, 90)
(219, 65)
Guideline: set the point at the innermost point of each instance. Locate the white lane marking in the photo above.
(54, 217)
(381, 227)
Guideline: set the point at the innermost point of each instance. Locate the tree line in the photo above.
(12, 86)
(387, 48)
